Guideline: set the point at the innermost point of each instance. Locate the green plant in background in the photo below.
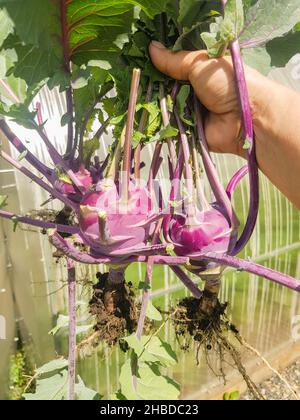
(231, 396)
(85, 49)
(19, 372)
(51, 383)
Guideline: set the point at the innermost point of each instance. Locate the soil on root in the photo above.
(115, 309)
(214, 336)
(116, 312)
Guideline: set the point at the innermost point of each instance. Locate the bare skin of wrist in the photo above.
(275, 108)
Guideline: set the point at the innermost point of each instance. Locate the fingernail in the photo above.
(157, 44)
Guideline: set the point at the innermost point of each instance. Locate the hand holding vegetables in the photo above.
(275, 110)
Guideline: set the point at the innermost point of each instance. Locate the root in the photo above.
(207, 324)
(113, 305)
(116, 313)
(273, 370)
(236, 356)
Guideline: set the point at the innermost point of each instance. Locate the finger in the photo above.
(222, 133)
(177, 65)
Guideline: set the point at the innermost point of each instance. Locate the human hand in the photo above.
(214, 83)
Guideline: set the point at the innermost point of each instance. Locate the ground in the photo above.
(274, 389)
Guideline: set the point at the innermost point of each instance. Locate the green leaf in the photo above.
(226, 396)
(233, 22)
(165, 133)
(52, 367)
(258, 58)
(181, 101)
(153, 313)
(62, 320)
(235, 395)
(126, 382)
(275, 54)
(3, 201)
(281, 50)
(269, 19)
(137, 138)
(7, 25)
(34, 64)
(118, 396)
(84, 393)
(20, 114)
(63, 323)
(135, 344)
(61, 176)
(102, 64)
(190, 39)
(79, 83)
(118, 119)
(52, 384)
(36, 22)
(65, 119)
(150, 384)
(89, 148)
(82, 329)
(159, 351)
(225, 30)
(12, 90)
(52, 388)
(22, 155)
(247, 144)
(143, 285)
(15, 222)
(192, 12)
(154, 119)
(168, 132)
(87, 96)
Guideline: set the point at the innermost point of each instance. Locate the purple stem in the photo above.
(101, 130)
(59, 161)
(223, 4)
(174, 191)
(16, 142)
(38, 180)
(251, 153)
(40, 223)
(202, 202)
(39, 115)
(153, 249)
(166, 120)
(141, 129)
(210, 169)
(145, 299)
(189, 284)
(237, 177)
(70, 251)
(70, 110)
(72, 329)
(259, 270)
(156, 160)
(148, 282)
(55, 156)
(155, 164)
(188, 169)
(127, 158)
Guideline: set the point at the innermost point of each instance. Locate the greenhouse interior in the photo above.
(150, 202)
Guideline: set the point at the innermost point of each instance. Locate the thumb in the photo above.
(176, 65)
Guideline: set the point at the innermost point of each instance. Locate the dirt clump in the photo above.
(114, 308)
(214, 335)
